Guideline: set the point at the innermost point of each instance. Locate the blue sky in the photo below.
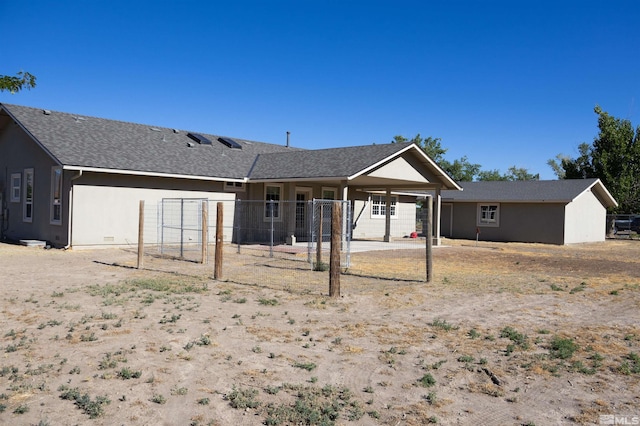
(503, 82)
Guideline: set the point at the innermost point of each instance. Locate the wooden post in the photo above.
(334, 262)
(141, 235)
(318, 266)
(217, 268)
(429, 238)
(205, 231)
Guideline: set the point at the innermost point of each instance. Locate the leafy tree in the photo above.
(460, 170)
(13, 84)
(613, 157)
(513, 173)
(491, 175)
(520, 173)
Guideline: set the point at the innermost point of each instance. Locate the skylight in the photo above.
(202, 140)
(230, 142)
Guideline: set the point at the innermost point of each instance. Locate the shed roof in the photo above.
(532, 191)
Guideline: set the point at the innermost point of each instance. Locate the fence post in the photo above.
(141, 235)
(271, 233)
(334, 262)
(319, 237)
(205, 231)
(217, 268)
(429, 238)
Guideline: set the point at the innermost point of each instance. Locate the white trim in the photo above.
(16, 190)
(56, 202)
(383, 204)
(493, 222)
(231, 186)
(329, 188)
(152, 174)
(27, 203)
(278, 206)
(444, 177)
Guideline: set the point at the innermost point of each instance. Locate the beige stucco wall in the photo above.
(108, 215)
(373, 227)
(585, 220)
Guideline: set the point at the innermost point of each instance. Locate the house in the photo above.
(73, 180)
(555, 211)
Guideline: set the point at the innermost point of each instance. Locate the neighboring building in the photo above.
(73, 180)
(554, 211)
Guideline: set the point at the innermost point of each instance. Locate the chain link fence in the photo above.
(283, 244)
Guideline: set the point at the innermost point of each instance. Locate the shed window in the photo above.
(488, 214)
(16, 187)
(56, 195)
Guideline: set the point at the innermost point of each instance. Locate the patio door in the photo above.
(303, 196)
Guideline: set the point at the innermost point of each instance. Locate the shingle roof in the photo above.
(92, 142)
(97, 143)
(322, 163)
(539, 191)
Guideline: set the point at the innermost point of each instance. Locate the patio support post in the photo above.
(387, 217)
(436, 216)
(429, 240)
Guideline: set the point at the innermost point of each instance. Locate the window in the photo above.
(379, 205)
(16, 186)
(234, 186)
(272, 193)
(56, 195)
(328, 193)
(27, 207)
(488, 215)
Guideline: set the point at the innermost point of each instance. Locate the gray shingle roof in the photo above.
(322, 163)
(90, 142)
(108, 144)
(559, 191)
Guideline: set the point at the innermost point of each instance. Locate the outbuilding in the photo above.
(552, 211)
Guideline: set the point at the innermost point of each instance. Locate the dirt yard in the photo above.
(506, 334)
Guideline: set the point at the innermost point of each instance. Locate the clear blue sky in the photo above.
(502, 82)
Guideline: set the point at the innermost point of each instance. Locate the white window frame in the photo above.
(56, 195)
(27, 200)
(16, 188)
(329, 189)
(379, 206)
(488, 214)
(278, 207)
(230, 186)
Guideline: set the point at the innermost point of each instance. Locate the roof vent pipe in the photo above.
(288, 133)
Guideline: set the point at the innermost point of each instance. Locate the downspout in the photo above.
(70, 214)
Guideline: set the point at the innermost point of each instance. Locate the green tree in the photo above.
(13, 84)
(613, 157)
(460, 170)
(491, 175)
(513, 173)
